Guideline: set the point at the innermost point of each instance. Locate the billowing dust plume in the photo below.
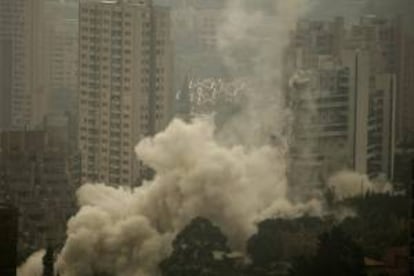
(252, 42)
(346, 184)
(124, 232)
(33, 265)
(233, 177)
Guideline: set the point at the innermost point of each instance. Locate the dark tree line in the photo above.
(337, 254)
(298, 247)
(381, 222)
(201, 249)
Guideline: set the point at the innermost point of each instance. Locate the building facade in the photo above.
(405, 114)
(39, 175)
(346, 104)
(21, 44)
(344, 119)
(390, 41)
(374, 115)
(62, 58)
(125, 85)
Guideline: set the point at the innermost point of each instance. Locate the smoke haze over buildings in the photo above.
(235, 175)
(347, 184)
(195, 177)
(128, 232)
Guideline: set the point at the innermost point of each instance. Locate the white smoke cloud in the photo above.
(347, 184)
(252, 44)
(128, 232)
(33, 265)
(235, 180)
(122, 231)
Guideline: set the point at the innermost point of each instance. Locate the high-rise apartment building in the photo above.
(373, 115)
(11, 41)
(377, 36)
(315, 38)
(125, 83)
(23, 92)
(63, 67)
(6, 46)
(62, 58)
(390, 42)
(405, 50)
(348, 119)
(208, 17)
(321, 144)
(344, 119)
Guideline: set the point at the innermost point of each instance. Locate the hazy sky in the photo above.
(328, 8)
(355, 8)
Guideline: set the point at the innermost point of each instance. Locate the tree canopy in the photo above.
(337, 254)
(199, 249)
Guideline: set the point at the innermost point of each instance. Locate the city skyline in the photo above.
(124, 123)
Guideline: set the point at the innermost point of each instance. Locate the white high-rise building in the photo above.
(349, 120)
(372, 115)
(345, 119)
(125, 85)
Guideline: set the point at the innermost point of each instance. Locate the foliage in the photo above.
(277, 241)
(337, 255)
(194, 251)
(381, 222)
(302, 246)
(266, 246)
(386, 204)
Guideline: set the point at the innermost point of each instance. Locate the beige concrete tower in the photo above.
(125, 83)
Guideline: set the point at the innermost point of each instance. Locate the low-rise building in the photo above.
(39, 176)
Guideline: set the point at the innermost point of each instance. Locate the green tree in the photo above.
(337, 255)
(199, 249)
(382, 222)
(266, 246)
(277, 241)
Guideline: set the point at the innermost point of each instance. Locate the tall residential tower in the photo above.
(22, 82)
(125, 85)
